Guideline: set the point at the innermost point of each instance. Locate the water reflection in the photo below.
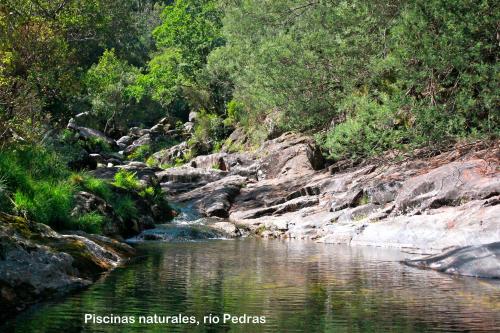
(298, 286)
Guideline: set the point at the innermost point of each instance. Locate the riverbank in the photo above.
(425, 203)
(422, 204)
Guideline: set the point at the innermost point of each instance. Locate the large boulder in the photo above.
(183, 179)
(144, 140)
(289, 155)
(171, 155)
(36, 262)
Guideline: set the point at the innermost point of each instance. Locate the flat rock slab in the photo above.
(478, 261)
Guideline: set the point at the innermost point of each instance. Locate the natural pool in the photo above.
(298, 286)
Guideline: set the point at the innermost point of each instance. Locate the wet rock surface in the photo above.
(36, 262)
(476, 261)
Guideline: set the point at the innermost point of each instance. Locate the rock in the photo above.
(157, 129)
(188, 127)
(288, 206)
(85, 133)
(98, 158)
(192, 116)
(170, 155)
(215, 198)
(82, 160)
(140, 142)
(478, 261)
(124, 141)
(189, 175)
(37, 262)
(136, 132)
(357, 213)
(289, 155)
(383, 192)
(451, 184)
(228, 229)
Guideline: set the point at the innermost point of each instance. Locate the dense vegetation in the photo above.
(362, 76)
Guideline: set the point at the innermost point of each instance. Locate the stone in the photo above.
(124, 141)
(140, 142)
(220, 198)
(229, 229)
(482, 261)
(289, 155)
(170, 155)
(450, 184)
(36, 262)
(192, 116)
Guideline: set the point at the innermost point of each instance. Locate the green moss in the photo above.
(260, 229)
(20, 224)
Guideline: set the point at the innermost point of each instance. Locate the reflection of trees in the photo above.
(296, 285)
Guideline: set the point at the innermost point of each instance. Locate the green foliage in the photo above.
(208, 134)
(141, 153)
(126, 180)
(91, 222)
(370, 128)
(189, 30)
(35, 184)
(371, 75)
(235, 111)
(46, 46)
(125, 207)
(110, 84)
(151, 162)
(47, 202)
(99, 187)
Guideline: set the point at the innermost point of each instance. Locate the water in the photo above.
(298, 286)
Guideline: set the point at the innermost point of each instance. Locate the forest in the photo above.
(361, 77)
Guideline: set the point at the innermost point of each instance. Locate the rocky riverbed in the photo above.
(443, 204)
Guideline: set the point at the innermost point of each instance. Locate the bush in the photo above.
(141, 153)
(91, 222)
(370, 129)
(125, 208)
(126, 180)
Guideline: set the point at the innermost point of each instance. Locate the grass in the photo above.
(125, 208)
(37, 184)
(91, 222)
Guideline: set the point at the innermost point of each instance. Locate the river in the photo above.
(297, 286)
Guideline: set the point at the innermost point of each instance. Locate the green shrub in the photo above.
(91, 222)
(141, 153)
(125, 207)
(126, 180)
(99, 187)
(148, 192)
(370, 128)
(235, 111)
(151, 162)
